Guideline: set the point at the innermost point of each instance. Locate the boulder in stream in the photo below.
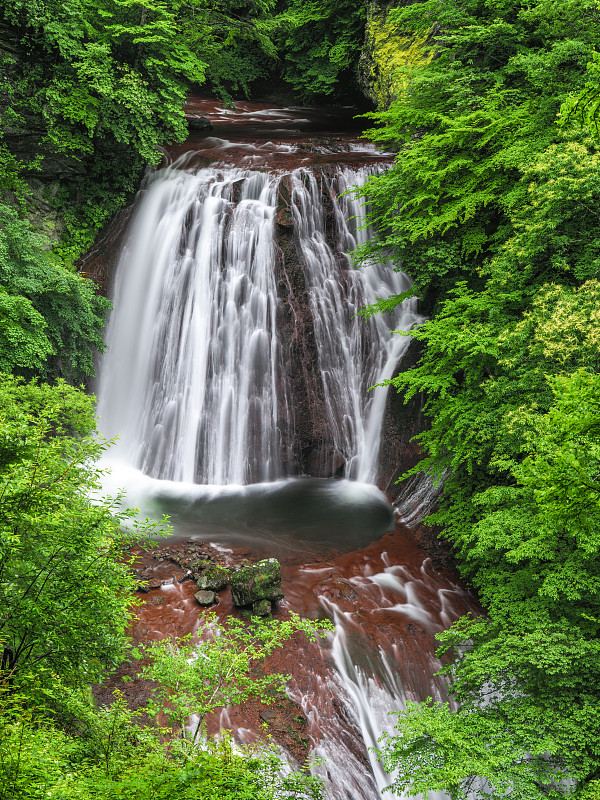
(198, 123)
(205, 598)
(257, 583)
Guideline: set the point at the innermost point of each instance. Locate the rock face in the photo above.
(257, 585)
(388, 55)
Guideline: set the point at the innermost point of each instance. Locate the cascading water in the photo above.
(353, 353)
(194, 382)
(217, 407)
(191, 381)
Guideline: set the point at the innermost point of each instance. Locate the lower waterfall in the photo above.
(236, 378)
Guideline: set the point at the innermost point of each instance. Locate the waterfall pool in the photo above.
(298, 514)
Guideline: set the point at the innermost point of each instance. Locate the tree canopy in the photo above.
(492, 207)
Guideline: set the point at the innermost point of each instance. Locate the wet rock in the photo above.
(261, 581)
(150, 585)
(343, 589)
(285, 218)
(199, 123)
(261, 608)
(198, 564)
(214, 578)
(156, 600)
(205, 598)
(275, 720)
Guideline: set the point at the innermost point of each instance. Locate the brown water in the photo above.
(268, 137)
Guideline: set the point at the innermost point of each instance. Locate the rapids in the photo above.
(237, 376)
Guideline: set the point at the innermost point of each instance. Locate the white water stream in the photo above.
(353, 353)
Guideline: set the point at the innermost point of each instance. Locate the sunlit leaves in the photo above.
(64, 584)
(194, 678)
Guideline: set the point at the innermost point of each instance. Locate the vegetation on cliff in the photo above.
(492, 207)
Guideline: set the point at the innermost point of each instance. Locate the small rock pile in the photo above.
(254, 587)
(210, 579)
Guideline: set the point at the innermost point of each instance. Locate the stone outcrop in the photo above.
(388, 55)
(401, 423)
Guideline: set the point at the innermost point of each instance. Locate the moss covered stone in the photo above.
(261, 581)
(388, 56)
(214, 578)
(261, 608)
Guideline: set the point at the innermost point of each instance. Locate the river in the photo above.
(237, 377)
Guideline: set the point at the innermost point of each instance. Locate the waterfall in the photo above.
(196, 379)
(236, 359)
(354, 353)
(191, 379)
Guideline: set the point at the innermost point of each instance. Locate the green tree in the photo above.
(53, 317)
(196, 678)
(93, 90)
(65, 588)
(469, 125)
(492, 208)
(321, 46)
(528, 722)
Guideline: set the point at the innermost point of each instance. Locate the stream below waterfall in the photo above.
(236, 378)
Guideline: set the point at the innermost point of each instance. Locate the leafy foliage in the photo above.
(525, 677)
(322, 45)
(65, 595)
(585, 106)
(64, 583)
(492, 206)
(469, 126)
(94, 89)
(40, 761)
(48, 311)
(196, 678)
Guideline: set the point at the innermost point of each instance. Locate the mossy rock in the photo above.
(198, 564)
(261, 581)
(261, 608)
(388, 57)
(214, 578)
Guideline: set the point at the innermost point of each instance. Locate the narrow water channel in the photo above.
(237, 377)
